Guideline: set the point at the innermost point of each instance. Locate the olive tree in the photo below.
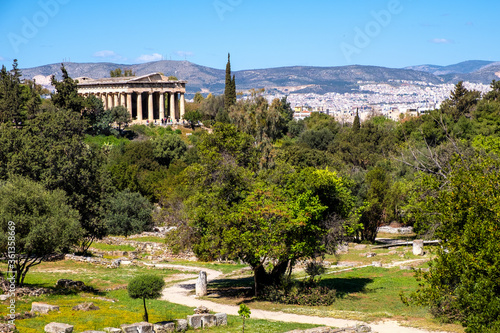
(34, 224)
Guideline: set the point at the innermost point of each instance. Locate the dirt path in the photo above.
(179, 294)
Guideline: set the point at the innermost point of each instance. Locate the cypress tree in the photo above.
(233, 91)
(356, 124)
(228, 90)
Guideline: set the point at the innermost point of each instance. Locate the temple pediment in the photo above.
(154, 77)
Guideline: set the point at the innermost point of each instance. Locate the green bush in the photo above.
(300, 294)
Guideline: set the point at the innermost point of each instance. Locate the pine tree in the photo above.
(356, 124)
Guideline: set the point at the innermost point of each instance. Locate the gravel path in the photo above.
(179, 294)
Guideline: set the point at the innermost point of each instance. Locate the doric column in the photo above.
(150, 106)
(162, 106)
(172, 106)
(181, 115)
(115, 99)
(109, 105)
(122, 99)
(176, 106)
(139, 106)
(103, 100)
(129, 103)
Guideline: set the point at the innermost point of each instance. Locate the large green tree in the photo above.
(10, 95)
(66, 95)
(462, 284)
(128, 213)
(34, 224)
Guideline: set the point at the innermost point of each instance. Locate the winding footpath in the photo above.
(179, 294)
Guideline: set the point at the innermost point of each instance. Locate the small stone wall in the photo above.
(391, 230)
(196, 321)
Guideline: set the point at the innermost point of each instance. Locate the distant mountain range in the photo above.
(296, 79)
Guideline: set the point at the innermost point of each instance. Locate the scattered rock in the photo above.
(112, 330)
(362, 328)
(86, 307)
(182, 325)
(377, 263)
(164, 327)
(142, 327)
(4, 297)
(201, 310)
(58, 328)
(360, 246)
(7, 328)
(43, 307)
(371, 254)
(221, 319)
(74, 285)
(201, 321)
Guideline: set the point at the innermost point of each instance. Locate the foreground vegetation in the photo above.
(258, 187)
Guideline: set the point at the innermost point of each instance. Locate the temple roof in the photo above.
(153, 77)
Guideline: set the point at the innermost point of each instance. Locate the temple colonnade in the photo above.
(147, 98)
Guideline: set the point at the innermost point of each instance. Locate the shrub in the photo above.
(299, 295)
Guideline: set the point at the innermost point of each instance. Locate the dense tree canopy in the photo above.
(34, 224)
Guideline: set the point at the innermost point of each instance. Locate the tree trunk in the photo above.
(146, 318)
(260, 278)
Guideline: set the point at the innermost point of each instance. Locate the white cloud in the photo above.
(184, 54)
(150, 57)
(107, 54)
(441, 41)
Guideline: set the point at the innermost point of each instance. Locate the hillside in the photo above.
(206, 79)
(298, 79)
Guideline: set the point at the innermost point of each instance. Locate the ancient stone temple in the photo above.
(148, 97)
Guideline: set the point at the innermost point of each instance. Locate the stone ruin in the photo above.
(200, 320)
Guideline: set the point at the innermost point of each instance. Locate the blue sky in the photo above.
(259, 34)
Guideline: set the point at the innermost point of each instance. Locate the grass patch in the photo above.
(223, 267)
(149, 239)
(126, 311)
(101, 140)
(367, 294)
(47, 273)
(111, 247)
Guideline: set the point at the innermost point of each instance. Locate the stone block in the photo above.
(201, 321)
(58, 328)
(93, 332)
(181, 325)
(201, 284)
(377, 263)
(164, 327)
(112, 330)
(221, 319)
(43, 307)
(142, 327)
(418, 247)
